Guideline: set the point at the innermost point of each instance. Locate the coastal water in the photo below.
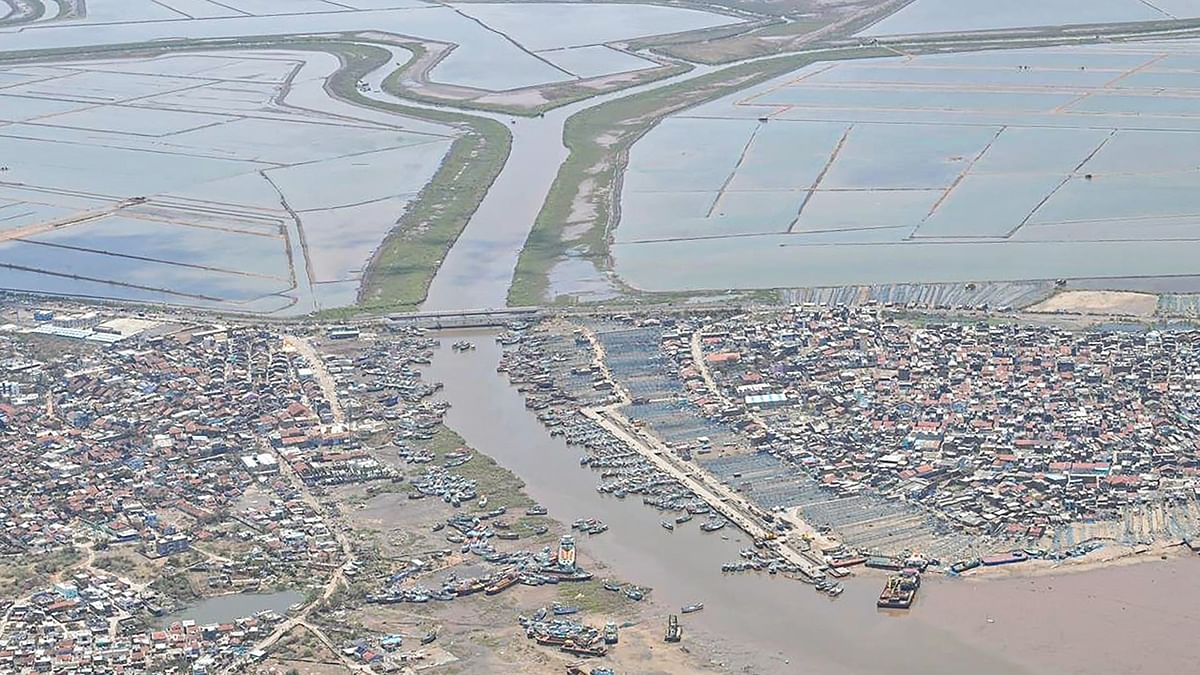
(1134, 618)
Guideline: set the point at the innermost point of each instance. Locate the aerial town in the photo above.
(743, 337)
(162, 466)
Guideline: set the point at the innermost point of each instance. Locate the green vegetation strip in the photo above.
(554, 96)
(398, 275)
(598, 140)
(501, 486)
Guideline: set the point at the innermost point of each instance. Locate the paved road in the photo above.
(338, 577)
(328, 385)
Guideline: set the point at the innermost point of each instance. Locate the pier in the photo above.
(721, 498)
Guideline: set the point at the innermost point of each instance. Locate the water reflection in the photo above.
(226, 608)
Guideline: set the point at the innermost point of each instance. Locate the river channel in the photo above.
(477, 270)
(775, 623)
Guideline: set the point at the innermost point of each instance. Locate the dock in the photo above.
(720, 498)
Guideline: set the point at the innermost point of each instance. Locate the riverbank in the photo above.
(454, 518)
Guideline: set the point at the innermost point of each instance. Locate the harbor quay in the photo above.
(843, 437)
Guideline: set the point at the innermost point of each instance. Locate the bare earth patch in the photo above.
(1100, 302)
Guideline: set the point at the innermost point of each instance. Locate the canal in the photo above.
(478, 268)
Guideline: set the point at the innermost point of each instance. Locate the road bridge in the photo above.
(466, 318)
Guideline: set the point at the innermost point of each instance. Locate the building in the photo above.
(172, 545)
(765, 400)
(263, 463)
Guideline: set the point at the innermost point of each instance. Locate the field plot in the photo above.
(945, 16)
(991, 166)
(499, 46)
(21, 12)
(198, 184)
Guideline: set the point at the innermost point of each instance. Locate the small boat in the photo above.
(667, 525)
(483, 501)
(610, 586)
(570, 647)
(563, 610)
(501, 585)
(463, 345)
(674, 631)
(679, 520)
(611, 635)
(536, 510)
(692, 608)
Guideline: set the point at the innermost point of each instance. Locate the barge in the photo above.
(900, 590)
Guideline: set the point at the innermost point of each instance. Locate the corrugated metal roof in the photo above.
(759, 399)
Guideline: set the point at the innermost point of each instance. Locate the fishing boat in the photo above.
(692, 608)
(463, 345)
(610, 586)
(679, 520)
(611, 637)
(900, 590)
(674, 631)
(469, 587)
(577, 575)
(501, 585)
(964, 565)
(583, 650)
(667, 525)
(549, 640)
(713, 525)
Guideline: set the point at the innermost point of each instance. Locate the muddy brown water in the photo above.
(1118, 620)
